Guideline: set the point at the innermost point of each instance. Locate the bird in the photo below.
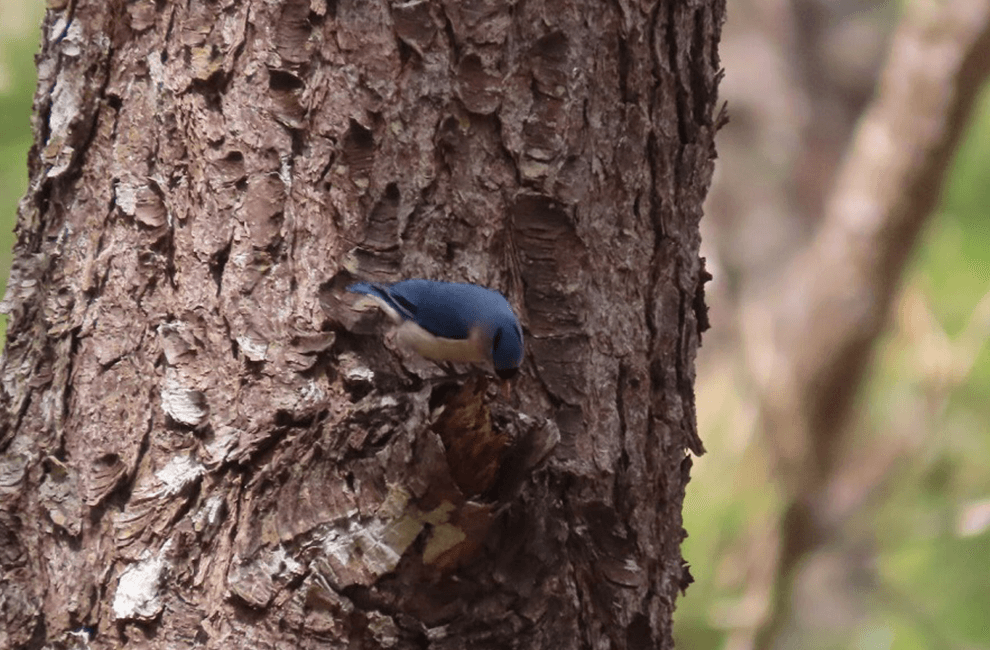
(451, 321)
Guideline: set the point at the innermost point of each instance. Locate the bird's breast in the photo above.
(470, 350)
(368, 301)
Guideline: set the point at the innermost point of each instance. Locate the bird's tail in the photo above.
(367, 288)
(378, 296)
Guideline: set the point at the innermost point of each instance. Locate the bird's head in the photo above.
(507, 349)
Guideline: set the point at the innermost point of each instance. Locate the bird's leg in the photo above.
(451, 372)
(447, 367)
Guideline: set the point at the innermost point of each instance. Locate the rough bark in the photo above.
(203, 444)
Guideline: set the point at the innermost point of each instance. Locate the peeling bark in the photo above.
(203, 444)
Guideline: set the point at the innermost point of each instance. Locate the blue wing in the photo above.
(441, 308)
(447, 309)
(452, 310)
(383, 292)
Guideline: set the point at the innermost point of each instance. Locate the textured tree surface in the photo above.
(203, 443)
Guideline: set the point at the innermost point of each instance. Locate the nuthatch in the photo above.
(452, 321)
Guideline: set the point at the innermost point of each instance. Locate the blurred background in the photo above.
(19, 34)
(889, 547)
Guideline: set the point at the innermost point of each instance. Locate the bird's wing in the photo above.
(378, 294)
(405, 305)
(443, 309)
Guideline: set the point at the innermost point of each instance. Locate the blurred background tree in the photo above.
(899, 515)
(845, 501)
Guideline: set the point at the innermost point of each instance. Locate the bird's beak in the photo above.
(506, 375)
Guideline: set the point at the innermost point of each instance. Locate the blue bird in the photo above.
(451, 321)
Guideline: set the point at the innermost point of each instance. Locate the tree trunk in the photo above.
(203, 444)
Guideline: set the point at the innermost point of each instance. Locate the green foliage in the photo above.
(955, 258)
(926, 582)
(17, 62)
(940, 573)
